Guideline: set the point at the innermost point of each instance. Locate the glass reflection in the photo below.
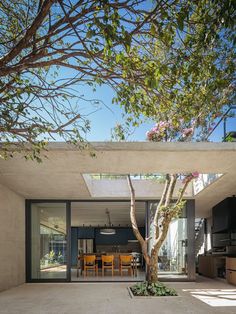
(172, 259)
(48, 241)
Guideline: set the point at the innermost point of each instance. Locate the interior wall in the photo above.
(12, 239)
(209, 234)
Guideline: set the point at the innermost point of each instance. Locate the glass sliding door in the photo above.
(172, 259)
(49, 246)
(88, 219)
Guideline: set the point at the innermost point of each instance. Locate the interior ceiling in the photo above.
(94, 213)
(88, 214)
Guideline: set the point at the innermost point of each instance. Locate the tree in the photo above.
(183, 79)
(48, 50)
(168, 208)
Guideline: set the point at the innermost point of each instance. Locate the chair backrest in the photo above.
(107, 258)
(126, 259)
(89, 259)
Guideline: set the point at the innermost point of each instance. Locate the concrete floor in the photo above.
(109, 298)
(108, 277)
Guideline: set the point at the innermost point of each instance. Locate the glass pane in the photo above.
(87, 220)
(48, 241)
(172, 258)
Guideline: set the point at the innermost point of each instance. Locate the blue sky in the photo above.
(105, 116)
(108, 115)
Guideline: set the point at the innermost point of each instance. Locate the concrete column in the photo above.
(12, 238)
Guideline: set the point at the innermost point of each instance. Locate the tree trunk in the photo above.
(153, 268)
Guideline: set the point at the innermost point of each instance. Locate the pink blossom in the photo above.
(190, 176)
(155, 129)
(158, 131)
(187, 132)
(150, 135)
(195, 174)
(164, 124)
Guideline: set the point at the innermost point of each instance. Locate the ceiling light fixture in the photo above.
(108, 231)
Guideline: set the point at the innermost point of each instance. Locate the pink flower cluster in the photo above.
(158, 131)
(151, 135)
(188, 131)
(190, 176)
(195, 174)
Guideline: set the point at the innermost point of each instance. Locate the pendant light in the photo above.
(108, 231)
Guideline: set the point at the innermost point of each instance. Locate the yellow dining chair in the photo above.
(108, 263)
(126, 263)
(90, 264)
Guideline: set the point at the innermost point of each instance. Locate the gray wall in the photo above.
(12, 239)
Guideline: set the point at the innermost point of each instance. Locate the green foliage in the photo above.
(39, 101)
(51, 259)
(118, 133)
(230, 137)
(173, 209)
(166, 60)
(152, 289)
(187, 71)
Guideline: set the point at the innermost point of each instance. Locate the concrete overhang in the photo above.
(60, 176)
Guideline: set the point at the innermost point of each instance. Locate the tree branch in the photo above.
(182, 191)
(29, 33)
(157, 213)
(171, 187)
(134, 224)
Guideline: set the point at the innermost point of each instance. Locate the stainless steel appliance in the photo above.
(85, 246)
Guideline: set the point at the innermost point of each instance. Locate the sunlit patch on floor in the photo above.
(215, 297)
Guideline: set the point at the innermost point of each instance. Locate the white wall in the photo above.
(12, 239)
(208, 239)
(199, 242)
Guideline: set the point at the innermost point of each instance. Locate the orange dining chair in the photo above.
(90, 264)
(126, 263)
(108, 263)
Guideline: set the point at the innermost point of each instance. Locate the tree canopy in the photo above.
(186, 72)
(48, 50)
(163, 58)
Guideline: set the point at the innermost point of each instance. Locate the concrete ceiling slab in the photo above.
(60, 174)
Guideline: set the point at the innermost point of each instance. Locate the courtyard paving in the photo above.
(201, 297)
